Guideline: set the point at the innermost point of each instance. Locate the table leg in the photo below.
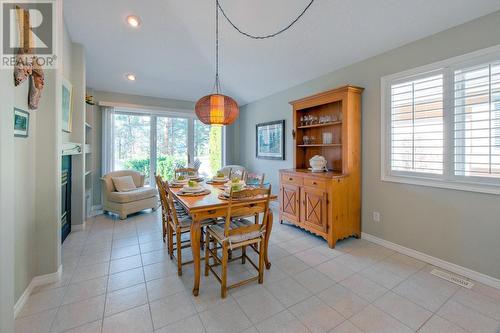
(195, 247)
(267, 236)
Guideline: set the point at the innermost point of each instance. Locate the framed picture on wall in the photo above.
(67, 103)
(270, 140)
(21, 123)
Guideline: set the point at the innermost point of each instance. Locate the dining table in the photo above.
(206, 206)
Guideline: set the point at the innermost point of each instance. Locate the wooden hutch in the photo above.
(328, 203)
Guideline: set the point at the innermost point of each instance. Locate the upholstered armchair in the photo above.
(125, 203)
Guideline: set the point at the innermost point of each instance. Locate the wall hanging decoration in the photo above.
(26, 62)
(21, 123)
(216, 108)
(67, 92)
(37, 82)
(270, 140)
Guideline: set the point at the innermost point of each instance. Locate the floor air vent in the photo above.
(453, 278)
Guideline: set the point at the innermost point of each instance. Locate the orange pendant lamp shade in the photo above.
(217, 109)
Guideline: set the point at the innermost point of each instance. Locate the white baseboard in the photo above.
(95, 210)
(78, 227)
(454, 268)
(35, 282)
(96, 207)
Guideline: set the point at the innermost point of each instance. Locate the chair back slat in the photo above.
(250, 202)
(172, 212)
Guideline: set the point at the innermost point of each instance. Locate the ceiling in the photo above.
(172, 53)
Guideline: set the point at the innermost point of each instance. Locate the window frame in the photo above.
(448, 179)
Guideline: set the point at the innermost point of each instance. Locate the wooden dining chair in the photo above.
(179, 224)
(237, 231)
(184, 171)
(255, 179)
(162, 190)
(237, 173)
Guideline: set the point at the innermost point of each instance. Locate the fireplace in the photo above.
(65, 197)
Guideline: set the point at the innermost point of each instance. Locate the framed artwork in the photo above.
(270, 140)
(21, 123)
(67, 109)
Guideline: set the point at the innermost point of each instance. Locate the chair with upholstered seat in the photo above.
(132, 201)
(239, 232)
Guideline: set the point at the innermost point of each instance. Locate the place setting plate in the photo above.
(217, 181)
(177, 184)
(193, 191)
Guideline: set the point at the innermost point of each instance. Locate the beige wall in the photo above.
(7, 223)
(24, 202)
(35, 198)
(456, 226)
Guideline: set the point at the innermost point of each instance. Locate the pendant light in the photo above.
(216, 108)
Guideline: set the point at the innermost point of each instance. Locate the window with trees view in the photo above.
(158, 144)
(132, 143)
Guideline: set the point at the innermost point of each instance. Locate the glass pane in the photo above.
(477, 121)
(171, 145)
(207, 148)
(132, 143)
(417, 132)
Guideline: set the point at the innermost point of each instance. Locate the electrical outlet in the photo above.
(376, 217)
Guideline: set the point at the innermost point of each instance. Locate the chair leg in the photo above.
(207, 254)
(170, 236)
(164, 228)
(179, 251)
(261, 262)
(243, 254)
(225, 254)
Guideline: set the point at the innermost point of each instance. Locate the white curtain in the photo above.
(108, 157)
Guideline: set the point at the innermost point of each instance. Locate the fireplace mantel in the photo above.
(71, 148)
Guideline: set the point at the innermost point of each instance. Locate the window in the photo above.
(441, 124)
(156, 143)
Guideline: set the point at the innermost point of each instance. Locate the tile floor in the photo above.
(117, 278)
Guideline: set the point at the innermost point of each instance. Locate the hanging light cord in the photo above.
(262, 36)
(217, 7)
(217, 80)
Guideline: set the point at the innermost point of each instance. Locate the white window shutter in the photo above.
(417, 132)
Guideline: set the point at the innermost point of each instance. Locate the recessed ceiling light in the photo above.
(130, 77)
(133, 21)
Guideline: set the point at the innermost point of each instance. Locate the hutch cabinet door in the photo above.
(313, 210)
(290, 202)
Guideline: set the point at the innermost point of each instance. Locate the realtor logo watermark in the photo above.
(28, 33)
